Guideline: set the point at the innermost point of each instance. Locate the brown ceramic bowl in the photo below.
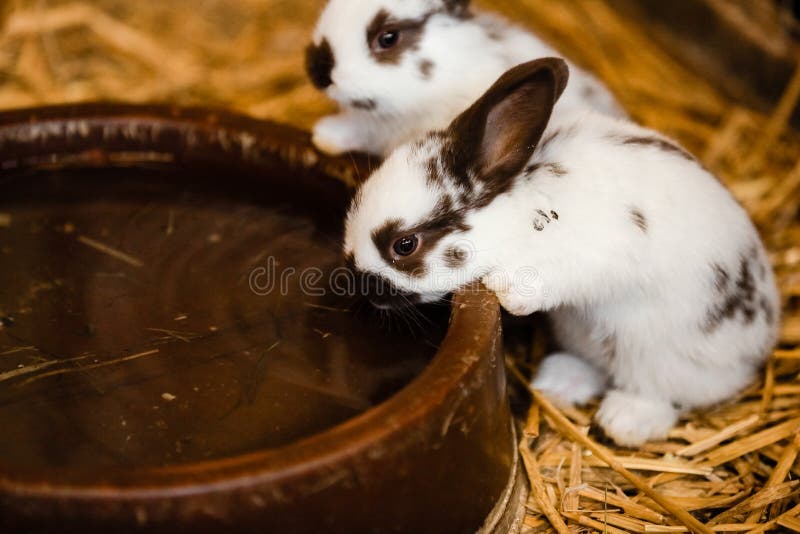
(154, 378)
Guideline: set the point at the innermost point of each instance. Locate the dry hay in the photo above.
(734, 468)
(245, 54)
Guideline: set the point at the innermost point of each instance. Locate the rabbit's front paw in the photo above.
(630, 420)
(517, 304)
(568, 379)
(337, 134)
(515, 300)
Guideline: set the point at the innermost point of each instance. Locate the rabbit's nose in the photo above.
(320, 63)
(382, 293)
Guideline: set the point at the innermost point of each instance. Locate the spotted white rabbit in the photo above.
(660, 291)
(401, 68)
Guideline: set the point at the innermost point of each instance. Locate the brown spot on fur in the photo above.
(458, 8)
(491, 191)
(446, 218)
(385, 235)
(549, 138)
(656, 142)
(530, 169)
(432, 174)
(320, 63)
(426, 68)
(639, 219)
(494, 35)
(543, 219)
(376, 26)
(367, 104)
(455, 257)
(737, 299)
(721, 278)
(442, 221)
(556, 169)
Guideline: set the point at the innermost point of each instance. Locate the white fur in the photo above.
(632, 303)
(466, 60)
(569, 379)
(632, 419)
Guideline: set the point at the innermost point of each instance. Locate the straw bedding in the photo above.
(732, 469)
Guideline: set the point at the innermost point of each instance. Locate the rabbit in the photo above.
(659, 289)
(399, 69)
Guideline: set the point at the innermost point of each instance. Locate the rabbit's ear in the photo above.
(494, 139)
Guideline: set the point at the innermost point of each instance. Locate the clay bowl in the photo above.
(151, 379)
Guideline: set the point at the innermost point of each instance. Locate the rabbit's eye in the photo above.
(406, 246)
(388, 39)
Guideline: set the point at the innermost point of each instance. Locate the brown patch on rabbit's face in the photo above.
(426, 68)
(320, 63)
(366, 104)
(455, 257)
(444, 221)
(389, 39)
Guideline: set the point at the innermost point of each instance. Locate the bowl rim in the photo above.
(72, 133)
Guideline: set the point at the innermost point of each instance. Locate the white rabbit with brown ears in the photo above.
(658, 286)
(399, 68)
